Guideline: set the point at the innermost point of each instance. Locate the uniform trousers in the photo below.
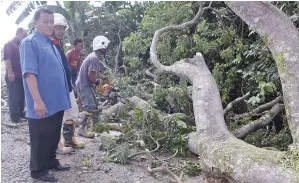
(44, 138)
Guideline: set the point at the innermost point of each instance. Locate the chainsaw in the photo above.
(109, 92)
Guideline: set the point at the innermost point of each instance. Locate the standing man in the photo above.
(13, 77)
(89, 71)
(73, 57)
(70, 115)
(46, 94)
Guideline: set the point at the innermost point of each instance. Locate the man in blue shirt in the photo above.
(46, 95)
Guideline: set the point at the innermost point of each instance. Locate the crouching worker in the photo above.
(87, 77)
(70, 115)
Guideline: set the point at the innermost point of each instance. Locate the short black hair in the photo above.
(20, 30)
(41, 10)
(76, 41)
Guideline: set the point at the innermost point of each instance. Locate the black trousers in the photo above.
(44, 138)
(16, 98)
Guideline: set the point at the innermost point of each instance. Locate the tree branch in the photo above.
(144, 152)
(230, 106)
(196, 71)
(119, 49)
(260, 108)
(176, 152)
(260, 123)
(153, 48)
(153, 76)
(162, 169)
(125, 69)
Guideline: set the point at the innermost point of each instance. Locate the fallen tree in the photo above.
(220, 152)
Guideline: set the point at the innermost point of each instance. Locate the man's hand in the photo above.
(40, 108)
(11, 76)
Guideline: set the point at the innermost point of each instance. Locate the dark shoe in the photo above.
(61, 167)
(48, 178)
(23, 119)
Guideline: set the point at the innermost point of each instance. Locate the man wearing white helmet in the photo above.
(87, 77)
(71, 115)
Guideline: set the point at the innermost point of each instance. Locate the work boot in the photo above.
(83, 130)
(68, 132)
(85, 133)
(62, 150)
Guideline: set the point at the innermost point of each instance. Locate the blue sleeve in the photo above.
(29, 57)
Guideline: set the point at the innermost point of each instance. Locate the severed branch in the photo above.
(162, 169)
(151, 170)
(153, 76)
(125, 68)
(153, 48)
(137, 143)
(143, 152)
(119, 49)
(260, 109)
(230, 106)
(259, 123)
(176, 152)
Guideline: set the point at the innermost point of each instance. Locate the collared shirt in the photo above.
(73, 57)
(40, 57)
(11, 52)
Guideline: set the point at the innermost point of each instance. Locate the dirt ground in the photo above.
(15, 157)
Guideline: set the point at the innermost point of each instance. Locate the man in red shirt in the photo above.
(13, 77)
(73, 57)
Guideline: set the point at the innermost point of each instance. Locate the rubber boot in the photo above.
(85, 133)
(68, 132)
(62, 150)
(83, 130)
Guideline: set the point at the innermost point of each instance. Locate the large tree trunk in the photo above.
(219, 151)
(282, 38)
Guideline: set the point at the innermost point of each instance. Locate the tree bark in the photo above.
(118, 50)
(153, 76)
(230, 106)
(219, 151)
(260, 123)
(259, 109)
(282, 38)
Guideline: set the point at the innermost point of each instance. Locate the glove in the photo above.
(97, 82)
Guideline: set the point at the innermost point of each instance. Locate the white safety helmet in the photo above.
(100, 42)
(60, 20)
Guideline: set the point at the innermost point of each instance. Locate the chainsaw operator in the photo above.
(87, 77)
(70, 115)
